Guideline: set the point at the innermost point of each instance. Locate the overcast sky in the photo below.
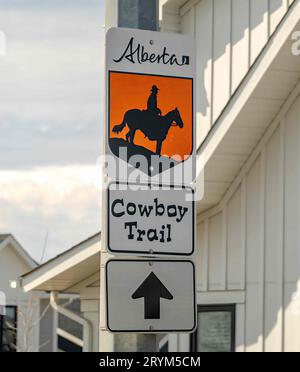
(51, 101)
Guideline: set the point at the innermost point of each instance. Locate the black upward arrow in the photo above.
(152, 290)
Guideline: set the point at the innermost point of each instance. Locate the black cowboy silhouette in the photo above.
(152, 102)
(151, 122)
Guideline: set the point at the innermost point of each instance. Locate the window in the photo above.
(8, 330)
(216, 330)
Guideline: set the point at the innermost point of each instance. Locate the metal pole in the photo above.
(139, 14)
(144, 15)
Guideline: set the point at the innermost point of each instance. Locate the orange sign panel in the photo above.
(151, 114)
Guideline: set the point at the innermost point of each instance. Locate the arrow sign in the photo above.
(152, 290)
(143, 304)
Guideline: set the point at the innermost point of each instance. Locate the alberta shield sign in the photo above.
(150, 115)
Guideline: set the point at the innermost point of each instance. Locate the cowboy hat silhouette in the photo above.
(154, 89)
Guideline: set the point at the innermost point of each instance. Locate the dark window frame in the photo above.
(213, 309)
(3, 328)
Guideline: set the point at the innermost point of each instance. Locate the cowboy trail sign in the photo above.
(150, 104)
(152, 220)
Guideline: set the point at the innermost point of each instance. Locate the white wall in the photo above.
(229, 36)
(12, 267)
(248, 246)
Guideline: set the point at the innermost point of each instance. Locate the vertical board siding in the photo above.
(254, 262)
(230, 34)
(204, 34)
(240, 41)
(202, 256)
(235, 258)
(240, 329)
(259, 26)
(273, 246)
(250, 242)
(216, 264)
(221, 55)
(254, 240)
(292, 176)
(278, 9)
(292, 214)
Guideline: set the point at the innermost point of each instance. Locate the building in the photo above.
(17, 333)
(27, 319)
(77, 272)
(248, 116)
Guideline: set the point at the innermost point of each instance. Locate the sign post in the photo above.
(150, 165)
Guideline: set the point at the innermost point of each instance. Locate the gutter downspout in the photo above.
(87, 328)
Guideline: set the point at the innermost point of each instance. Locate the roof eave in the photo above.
(43, 277)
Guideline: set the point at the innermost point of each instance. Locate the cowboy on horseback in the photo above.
(150, 122)
(152, 102)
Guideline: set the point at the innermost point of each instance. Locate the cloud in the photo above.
(51, 83)
(51, 109)
(63, 201)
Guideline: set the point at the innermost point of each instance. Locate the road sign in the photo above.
(150, 103)
(150, 296)
(148, 219)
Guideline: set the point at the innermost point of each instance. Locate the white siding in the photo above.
(273, 243)
(230, 34)
(221, 56)
(204, 32)
(216, 254)
(250, 242)
(235, 255)
(292, 232)
(254, 260)
(240, 40)
(277, 11)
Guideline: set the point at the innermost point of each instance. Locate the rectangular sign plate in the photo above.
(150, 296)
(150, 220)
(150, 110)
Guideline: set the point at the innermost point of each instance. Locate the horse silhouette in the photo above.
(154, 127)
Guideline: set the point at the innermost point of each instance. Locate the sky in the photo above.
(51, 109)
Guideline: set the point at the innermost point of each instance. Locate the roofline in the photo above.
(61, 263)
(249, 83)
(10, 239)
(65, 253)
